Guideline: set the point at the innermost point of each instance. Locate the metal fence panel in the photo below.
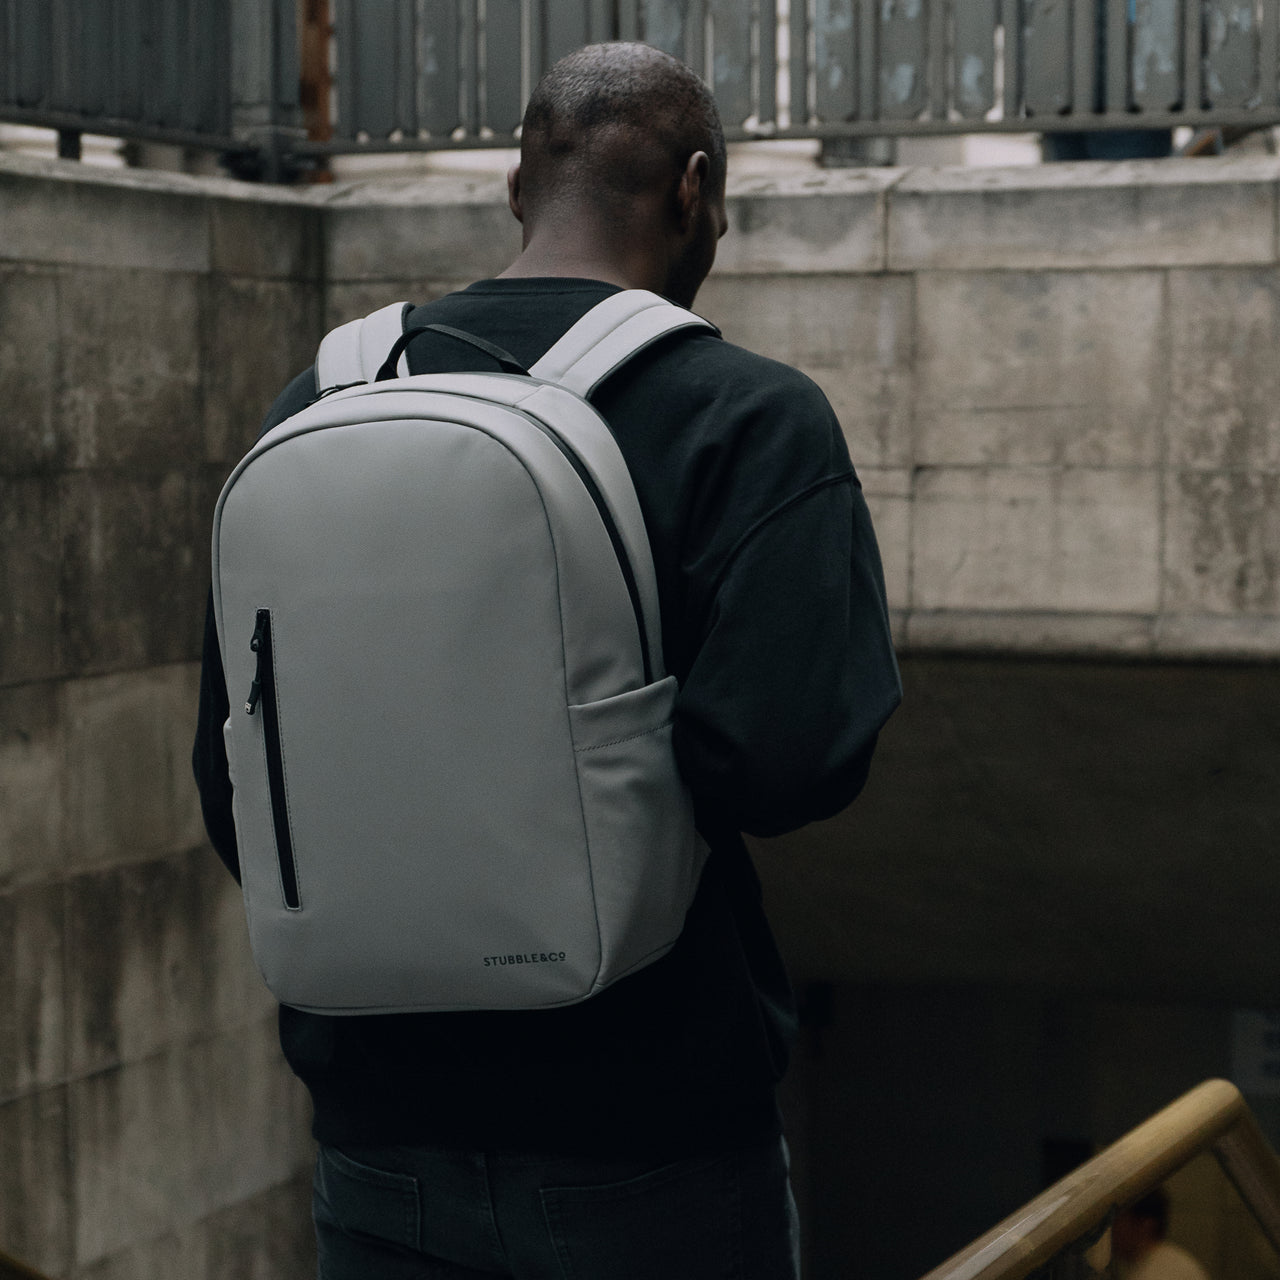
(403, 70)
(430, 73)
(729, 56)
(662, 24)
(1087, 74)
(798, 65)
(1157, 44)
(975, 58)
(99, 22)
(64, 46)
(903, 58)
(766, 110)
(164, 99)
(600, 21)
(1115, 54)
(1046, 36)
(835, 60)
(936, 70)
(470, 59)
(565, 23)
(628, 19)
(1268, 52)
(503, 76)
(203, 73)
(124, 98)
(867, 32)
(440, 66)
(1231, 52)
(366, 76)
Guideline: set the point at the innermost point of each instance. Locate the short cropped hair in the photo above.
(605, 88)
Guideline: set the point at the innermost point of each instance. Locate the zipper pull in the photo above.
(257, 645)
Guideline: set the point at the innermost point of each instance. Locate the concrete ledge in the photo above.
(1205, 636)
(428, 229)
(1040, 633)
(1059, 217)
(56, 211)
(822, 223)
(1198, 637)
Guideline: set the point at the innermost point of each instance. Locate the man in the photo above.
(635, 1134)
(1138, 1242)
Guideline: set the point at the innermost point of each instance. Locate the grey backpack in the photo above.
(454, 785)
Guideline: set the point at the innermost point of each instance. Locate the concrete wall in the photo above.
(147, 1125)
(1058, 383)
(1060, 392)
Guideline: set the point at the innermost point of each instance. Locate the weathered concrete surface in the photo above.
(1084, 216)
(148, 1126)
(1060, 392)
(819, 224)
(424, 230)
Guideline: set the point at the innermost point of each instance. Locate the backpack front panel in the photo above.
(419, 680)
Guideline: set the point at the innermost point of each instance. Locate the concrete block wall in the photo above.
(1058, 385)
(148, 1127)
(1056, 382)
(1059, 391)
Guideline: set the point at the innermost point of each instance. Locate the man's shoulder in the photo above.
(740, 368)
(736, 398)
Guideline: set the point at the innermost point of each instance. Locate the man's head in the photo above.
(623, 143)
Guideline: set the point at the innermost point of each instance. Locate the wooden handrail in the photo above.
(1212, 1117)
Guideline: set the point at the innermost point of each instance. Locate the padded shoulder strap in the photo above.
(354, 352)
(613, 331)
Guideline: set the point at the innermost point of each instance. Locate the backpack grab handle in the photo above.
(507, 362)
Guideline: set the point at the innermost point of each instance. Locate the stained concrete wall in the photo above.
(1059, 391)
(1058, 384)
(147, 1125)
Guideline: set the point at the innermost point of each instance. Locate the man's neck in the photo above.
(590, 253)
(567, 266)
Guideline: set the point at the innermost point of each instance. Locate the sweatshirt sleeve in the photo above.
(778, 716)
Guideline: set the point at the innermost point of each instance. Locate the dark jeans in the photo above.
(406, 1213)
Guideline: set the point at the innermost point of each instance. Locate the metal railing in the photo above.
(1212, 1117)
(220, 74)
(427, 74)
(438, 73)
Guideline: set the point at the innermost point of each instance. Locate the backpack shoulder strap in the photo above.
(353, 352)
(613, 331)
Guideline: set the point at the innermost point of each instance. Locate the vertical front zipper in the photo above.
(262, 692)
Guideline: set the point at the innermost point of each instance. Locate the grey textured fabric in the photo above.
(454, 786)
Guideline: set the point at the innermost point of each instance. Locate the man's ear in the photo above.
(689, 193)
(514, 201)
